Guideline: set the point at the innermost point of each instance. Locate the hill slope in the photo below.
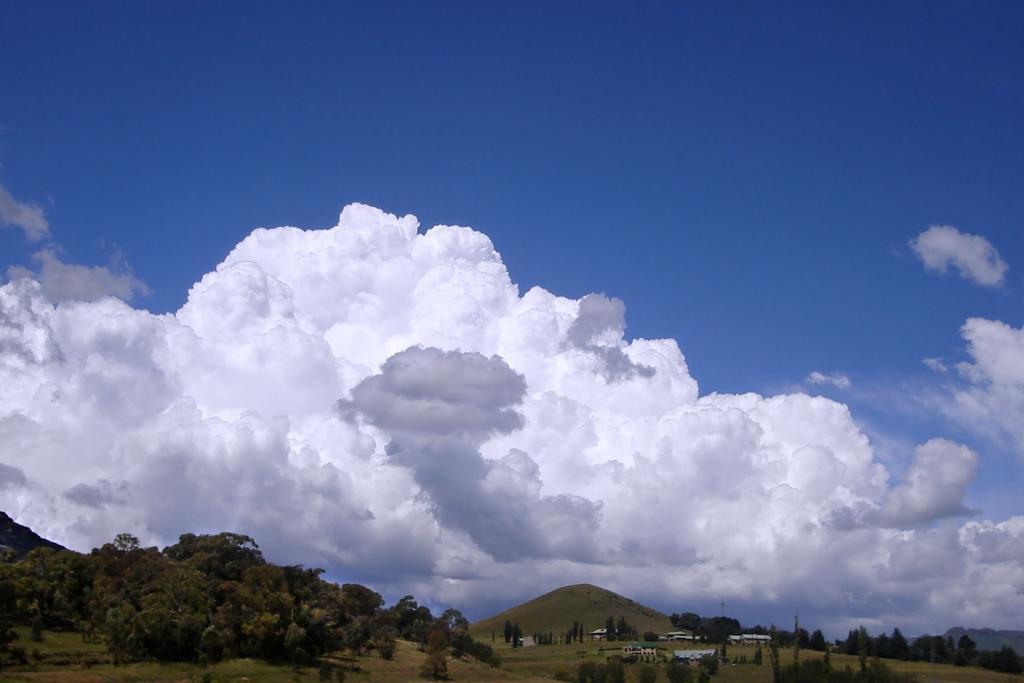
(989, 639)
(20, 538)
(556, 611)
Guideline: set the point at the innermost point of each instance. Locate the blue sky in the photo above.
(745, 176)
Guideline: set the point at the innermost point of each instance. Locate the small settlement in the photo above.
(648, 650)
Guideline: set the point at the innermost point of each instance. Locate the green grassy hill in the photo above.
(557, 610)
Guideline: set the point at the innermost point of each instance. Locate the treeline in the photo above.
(711, 629)
(614, 630)
(208, 598)
(928, 648)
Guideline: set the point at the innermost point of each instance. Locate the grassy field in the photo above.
(557, 610)
(64, 658)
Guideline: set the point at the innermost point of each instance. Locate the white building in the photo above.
(693, 656)
(677, 635)
(751, 638)
(598, 634)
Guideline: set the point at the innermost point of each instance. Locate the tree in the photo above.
(687, 620)
(969, 647)
(773, 656)
(609, 626)
(796, 641)
(385, 641)
(939, 652)
(508, 631)
(453, 621)
(615, 672)
(517, 635)
(677, 673)
(862, 648)
(881, 646)
(898, 647)
(436, 665)
(647, 674)
(1005, 660)
(125, 543)
(852, 642)
(623, 630)
(817, 641)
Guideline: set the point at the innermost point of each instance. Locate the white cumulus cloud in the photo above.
(387, 403)
(990, 396)
(942, 246)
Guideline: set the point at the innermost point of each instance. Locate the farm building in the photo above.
(693, 656)
(678, 635)
(598, 634)
(750, 638)
(642, 650)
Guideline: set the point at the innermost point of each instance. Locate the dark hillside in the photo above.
(20, 538)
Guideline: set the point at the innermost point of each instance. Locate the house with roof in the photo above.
(599, 634)
(678, 635)
(755, 638)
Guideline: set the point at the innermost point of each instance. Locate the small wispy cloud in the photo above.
(28, 217)
(935, 364)
(942, 246)
(836, 379)
(69, 281)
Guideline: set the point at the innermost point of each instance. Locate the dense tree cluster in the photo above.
(207, 598)
(711, 629)
(928, 648)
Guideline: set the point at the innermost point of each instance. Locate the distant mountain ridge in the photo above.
(557, 610)
(989, 639)
(20, 538)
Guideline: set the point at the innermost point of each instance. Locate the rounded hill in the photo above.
(584, 603)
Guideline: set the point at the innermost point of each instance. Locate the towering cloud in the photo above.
(387, 403)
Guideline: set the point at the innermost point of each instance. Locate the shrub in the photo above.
(677, 673)
(648, 674)
(435, 666)
(616, 671)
